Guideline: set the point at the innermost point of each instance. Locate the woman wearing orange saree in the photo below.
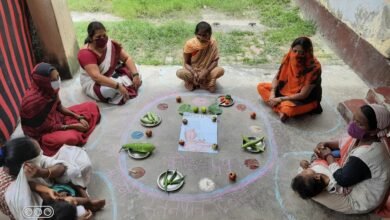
(296, 89)
(201, 57)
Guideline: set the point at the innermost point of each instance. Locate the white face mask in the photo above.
(56, 84)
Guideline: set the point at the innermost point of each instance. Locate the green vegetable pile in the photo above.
(213, 109)
(139, 147)
(184, 108)
(256, 145)
(150, 118)
(172, 180)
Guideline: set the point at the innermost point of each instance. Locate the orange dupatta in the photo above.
(295, 73)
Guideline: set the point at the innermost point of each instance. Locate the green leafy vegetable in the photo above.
(184, 108)
(215, 109)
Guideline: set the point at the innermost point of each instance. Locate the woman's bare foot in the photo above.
(95, 205)
(283, 117)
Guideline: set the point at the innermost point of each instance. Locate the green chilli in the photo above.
(178, 181)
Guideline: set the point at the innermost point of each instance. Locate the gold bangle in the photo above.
(117, 86)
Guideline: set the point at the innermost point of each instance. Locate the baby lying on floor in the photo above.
(65, 201)
(313, 178)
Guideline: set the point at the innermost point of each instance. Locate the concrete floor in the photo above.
(262, 193)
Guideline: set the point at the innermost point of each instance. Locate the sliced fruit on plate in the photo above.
(225, 100)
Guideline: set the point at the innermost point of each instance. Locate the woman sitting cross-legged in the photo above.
(45, 119)
(364, 167)
(201, 57)
(107, 74)
(296, 89)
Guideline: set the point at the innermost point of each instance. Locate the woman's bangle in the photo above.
(135, 74)
(117, 86)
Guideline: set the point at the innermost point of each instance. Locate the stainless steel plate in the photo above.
(170, 188)
(154, 124)
(223, 104)
(138, 155)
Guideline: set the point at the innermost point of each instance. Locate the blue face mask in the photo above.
(56, 84)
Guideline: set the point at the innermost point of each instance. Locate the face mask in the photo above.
(355, 131)
(56, 84)
(101, 42)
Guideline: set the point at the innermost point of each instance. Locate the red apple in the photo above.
(148, 133)
(232, 176)
(253, 115)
